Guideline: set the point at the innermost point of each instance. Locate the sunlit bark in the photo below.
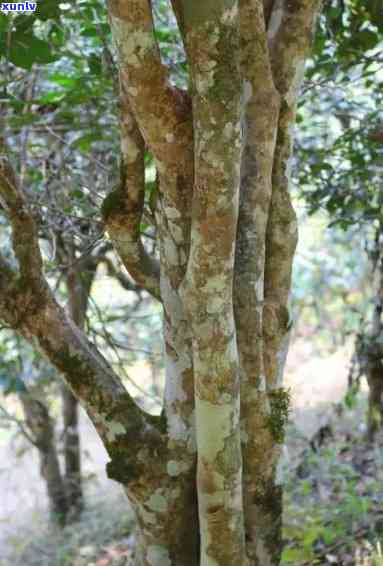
(227, 234)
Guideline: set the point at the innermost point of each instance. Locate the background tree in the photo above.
(23, 374)
(340, 155)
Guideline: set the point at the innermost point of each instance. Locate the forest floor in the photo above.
(338, 497)
(334, 499)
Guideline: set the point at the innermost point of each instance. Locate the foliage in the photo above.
(21, 365)
(338, 170)
(340, 149)
(337, 499)
(58, 81)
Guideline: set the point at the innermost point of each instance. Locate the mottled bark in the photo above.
(28, 305)
(123, 208)
(212, 35)
(266, 240)
(227, 235)
(163, 116)
(260, 120)
(161, 110)
(41, 428)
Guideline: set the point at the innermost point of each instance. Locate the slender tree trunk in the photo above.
(212, 39)
(79, 281)
(41, 427)
(165, 497)
(72, 452)
(374, 350)
(375, 399)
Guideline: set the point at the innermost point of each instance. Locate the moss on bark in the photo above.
(280, 407)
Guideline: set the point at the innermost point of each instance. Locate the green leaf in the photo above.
(95, 66)
(292, 556)
(4, 23)
(367, 39)
(23, 119)
(27, 49)
(63, 80)
(84, 143)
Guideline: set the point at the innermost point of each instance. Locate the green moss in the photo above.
(269, 498)
(120, 468)
(70, 363)
(112, 202)
(280, 406)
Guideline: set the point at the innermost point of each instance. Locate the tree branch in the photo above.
(267, 10)
(123, 208)
(260, 121)
(30, 308)
(8, 282)
(290, 33)
(212, 30)
(163, 112)
(118, 274)
(178, 11)
(290, 36)
(24, 232)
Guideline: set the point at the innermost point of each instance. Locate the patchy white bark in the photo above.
(227, 235)
(212, 37)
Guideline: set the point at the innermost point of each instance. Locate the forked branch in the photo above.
(123, 207)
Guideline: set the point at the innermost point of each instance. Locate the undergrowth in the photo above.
(334, 508)
(105, 526)
(333, 511)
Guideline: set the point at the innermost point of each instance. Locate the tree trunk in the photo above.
(167, 530)
(41, 427)
(227, 233)
(72, 453)
(375, 399)
(373, 350)
(79, 281)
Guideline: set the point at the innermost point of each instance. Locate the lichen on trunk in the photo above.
(227, 233)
